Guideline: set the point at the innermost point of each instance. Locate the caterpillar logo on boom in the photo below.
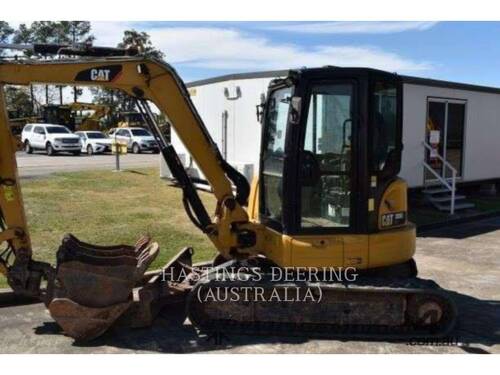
(107, 73)
(99, 74)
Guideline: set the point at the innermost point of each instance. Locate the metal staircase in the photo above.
(442, 193)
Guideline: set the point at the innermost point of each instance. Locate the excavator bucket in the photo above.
(93, 284)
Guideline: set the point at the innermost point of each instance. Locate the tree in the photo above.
(72, 32)
(118, 100)
(142, 41)
(5, 32)
(57, 32)
(18, 101)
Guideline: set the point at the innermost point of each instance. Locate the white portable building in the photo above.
(463, 118)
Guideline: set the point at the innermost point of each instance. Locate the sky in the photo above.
(456, 51)
(466, 52)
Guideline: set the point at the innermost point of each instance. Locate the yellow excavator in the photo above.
(67, 114)
(327, 201)
(92, 121)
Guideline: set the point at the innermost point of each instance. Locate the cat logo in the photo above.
(100, 75)
(106, 73)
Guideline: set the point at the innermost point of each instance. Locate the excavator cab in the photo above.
(331, 152)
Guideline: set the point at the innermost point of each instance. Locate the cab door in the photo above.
(327, 203)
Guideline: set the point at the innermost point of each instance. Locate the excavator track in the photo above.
(368, 309)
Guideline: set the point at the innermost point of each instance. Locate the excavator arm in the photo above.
(147, 80)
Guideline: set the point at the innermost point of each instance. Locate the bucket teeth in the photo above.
(94, 283)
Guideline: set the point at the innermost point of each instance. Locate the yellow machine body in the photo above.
(235, 231)
(361, 251)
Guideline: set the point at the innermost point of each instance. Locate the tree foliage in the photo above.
(59, 32)
(118, 100)
(142, 41)
(5, 32)
(54, 32)
(18, 101)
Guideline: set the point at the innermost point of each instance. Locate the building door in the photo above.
(445, 134)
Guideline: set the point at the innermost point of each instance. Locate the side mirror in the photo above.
(259, 111)
(295, 107)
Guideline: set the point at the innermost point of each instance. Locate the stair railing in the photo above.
(450, 186)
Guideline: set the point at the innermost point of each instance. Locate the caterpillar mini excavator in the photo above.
(327, 198)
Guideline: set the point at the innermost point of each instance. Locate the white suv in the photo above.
(51, 138)
(137, 139)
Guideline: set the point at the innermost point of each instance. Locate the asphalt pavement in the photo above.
(39, 164)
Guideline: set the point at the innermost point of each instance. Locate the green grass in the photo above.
(106, 208)
(487, 203)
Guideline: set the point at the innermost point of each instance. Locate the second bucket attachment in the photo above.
(93, 284)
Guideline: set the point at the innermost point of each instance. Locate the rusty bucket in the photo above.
(93, 284)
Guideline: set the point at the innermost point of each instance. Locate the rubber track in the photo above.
(414, 286)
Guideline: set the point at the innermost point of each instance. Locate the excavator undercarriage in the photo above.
(97, 287)
(327, 199)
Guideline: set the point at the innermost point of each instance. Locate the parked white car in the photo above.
(137, 139)
(94, 141)
(50, 137)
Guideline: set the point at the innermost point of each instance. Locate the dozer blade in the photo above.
(93, 284)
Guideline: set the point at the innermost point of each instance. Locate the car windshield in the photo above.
(141, 133)
(57, 130)
(96, 135)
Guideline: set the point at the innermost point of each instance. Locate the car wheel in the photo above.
(90, 150)
(136, 149)
(155, 151)
(77, 153)
(28, 148)
(50, 149)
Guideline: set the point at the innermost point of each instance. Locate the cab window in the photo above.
(384, 123)
(325, 182)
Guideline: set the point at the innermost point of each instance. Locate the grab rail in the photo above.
(442, 179)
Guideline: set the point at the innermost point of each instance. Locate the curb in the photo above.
(421, 229)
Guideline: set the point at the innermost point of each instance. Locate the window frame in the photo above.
(374, 79)
(296, 227)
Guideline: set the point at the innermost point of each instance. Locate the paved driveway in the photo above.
(39, 164)
(464, 259)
